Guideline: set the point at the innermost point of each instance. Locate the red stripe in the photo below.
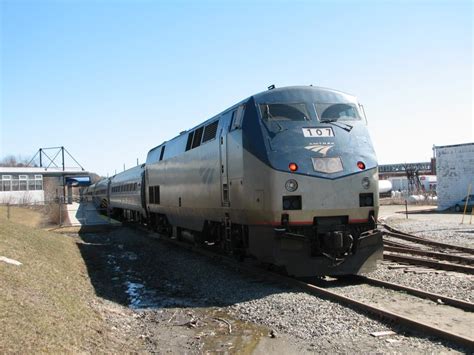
(363, 220)
(304, 223)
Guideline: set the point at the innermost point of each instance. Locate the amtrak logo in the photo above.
(322, 149)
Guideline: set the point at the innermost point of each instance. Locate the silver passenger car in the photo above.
(100, 194)
(126, 197)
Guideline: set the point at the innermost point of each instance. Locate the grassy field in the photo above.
(26, 216)
(47, 303)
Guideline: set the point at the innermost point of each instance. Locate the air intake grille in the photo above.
(210, 131)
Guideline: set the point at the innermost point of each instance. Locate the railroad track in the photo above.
(429, 253)
(424, 241)
(388, 246)
(415, 313)
(464, 305)
(434, 264)
(380, 311)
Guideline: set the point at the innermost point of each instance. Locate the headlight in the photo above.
(291, 185)
(365, 183)
(328, 165)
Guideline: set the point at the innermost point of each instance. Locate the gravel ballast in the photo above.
(150, 275)
(445, 228)
(440, 227)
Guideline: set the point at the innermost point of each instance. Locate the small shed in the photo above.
(455, 172)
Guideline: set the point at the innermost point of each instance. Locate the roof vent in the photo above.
(271, 87)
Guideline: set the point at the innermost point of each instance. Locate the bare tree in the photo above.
(13, 161)
(95, 177)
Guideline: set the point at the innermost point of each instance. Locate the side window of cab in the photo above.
(237, 116)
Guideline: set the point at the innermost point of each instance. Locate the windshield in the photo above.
(284, 112)
(334, 112)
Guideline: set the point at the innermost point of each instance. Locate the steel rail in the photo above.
(394, 230)
(447, 245)
(409, 323)
(391, 243)
(431, 254)
(420, 240)
(392, 316)
(429, 263)
(465, 305)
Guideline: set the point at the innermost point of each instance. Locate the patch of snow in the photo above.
(10, 261)
(139, 296)
(133, 291)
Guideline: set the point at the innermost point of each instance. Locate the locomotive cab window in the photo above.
(284, 112)
(237, 117)
(339, 111)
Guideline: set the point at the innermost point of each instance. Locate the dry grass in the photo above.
(35, 216)
(53, 211)
(45, 304)
(32, 217)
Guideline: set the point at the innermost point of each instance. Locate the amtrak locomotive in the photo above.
(288, 176)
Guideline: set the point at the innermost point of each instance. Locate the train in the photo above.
(288, 177)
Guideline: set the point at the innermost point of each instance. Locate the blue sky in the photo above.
(110, 80)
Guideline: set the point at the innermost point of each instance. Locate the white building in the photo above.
(26, 185)
(455, 173)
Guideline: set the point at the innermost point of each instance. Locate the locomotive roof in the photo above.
(285, 93)
(321, 94)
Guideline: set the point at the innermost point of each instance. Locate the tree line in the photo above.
(15, 161)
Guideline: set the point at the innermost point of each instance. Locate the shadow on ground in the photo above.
(129, 267)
